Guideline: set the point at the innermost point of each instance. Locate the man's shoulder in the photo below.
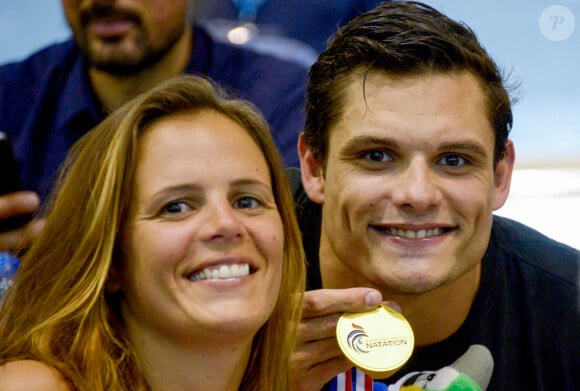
(535, 252)
(41, 63)
(29, 85)
(529, 295)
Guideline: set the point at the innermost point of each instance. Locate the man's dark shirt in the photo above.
(47, 103)
(526, 312)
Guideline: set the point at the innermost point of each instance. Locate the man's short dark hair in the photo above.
(401, 38)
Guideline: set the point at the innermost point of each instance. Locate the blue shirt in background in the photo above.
(47, 103)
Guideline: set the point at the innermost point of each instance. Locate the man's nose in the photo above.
(417, 187)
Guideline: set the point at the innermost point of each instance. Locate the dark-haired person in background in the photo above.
(120, 49)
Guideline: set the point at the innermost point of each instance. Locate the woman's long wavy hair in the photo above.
(59, 312)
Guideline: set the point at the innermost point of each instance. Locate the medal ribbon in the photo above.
(352, 380)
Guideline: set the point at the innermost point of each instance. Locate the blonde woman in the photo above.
(170, 259)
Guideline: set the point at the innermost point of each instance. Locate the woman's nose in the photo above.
(221, 222)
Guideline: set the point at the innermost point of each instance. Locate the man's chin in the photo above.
(117, 58)
(414, 284)
(123, 69)
(122, 63)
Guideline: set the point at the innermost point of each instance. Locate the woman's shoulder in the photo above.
(31, 375)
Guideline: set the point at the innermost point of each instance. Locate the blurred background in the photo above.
(536, 41)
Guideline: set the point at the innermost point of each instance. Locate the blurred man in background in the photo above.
(120, 49)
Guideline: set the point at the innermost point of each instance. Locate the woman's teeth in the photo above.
(221, 272)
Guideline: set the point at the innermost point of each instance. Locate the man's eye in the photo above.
(176, 207)
(378, 156)
(246, 203)
(452, 160)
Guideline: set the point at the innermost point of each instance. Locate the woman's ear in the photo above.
(311, 168)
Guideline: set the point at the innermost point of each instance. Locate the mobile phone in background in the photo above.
(10, 182)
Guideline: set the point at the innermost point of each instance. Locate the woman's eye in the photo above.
(378, 156)
(246, 203)
(176, 207)
(452, 160)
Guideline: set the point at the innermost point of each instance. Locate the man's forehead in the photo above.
(376, 101)
(364, 83)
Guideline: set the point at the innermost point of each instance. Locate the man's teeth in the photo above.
(221, 272)
(420, 234)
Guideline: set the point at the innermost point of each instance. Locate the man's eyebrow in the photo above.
(357, 141)
(472, 146)
(464, 145)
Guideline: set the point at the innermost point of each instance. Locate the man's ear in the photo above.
(503, 176)
(312, 173)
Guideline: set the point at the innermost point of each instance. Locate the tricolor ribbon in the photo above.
(352, 380)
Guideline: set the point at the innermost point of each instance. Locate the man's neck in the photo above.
(433, 315)
(437, 314)
(114, 90)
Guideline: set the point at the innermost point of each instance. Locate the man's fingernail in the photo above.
(373, 299)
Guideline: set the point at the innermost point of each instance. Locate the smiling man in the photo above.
(404, 158)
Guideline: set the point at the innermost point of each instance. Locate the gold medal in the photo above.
(378, 342)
